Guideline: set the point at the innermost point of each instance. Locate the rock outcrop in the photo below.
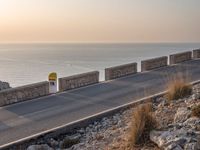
(182, 115)
(183, 132)
(4, 85)
(179, 136)
(39, 147)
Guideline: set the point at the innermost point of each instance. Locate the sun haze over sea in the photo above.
(99, 21)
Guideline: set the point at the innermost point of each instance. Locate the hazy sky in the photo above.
(100, 20)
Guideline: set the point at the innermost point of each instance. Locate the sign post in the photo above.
(53, 83)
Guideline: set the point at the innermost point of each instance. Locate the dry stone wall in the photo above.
(120, 71)
(180, 57)
(23, 93)
(154, 63)
(196, 53)
(77, 81)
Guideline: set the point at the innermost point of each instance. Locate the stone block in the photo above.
(196, 53)
(23, 93)
(180, 57)
(154, 63)
(77, 81)
(120, 71)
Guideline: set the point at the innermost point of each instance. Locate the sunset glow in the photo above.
(99, 21)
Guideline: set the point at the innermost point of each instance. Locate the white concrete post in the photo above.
(53, 83)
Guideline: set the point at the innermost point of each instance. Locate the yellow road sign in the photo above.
(53, 76)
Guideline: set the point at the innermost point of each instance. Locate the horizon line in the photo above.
(96, 42)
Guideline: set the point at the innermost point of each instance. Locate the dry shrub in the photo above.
(196, 111)
(178, 88)
(143, 122)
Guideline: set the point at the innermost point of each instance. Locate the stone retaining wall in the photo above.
(77, 81)
(120, 71)
(180, 57)
(196, 53)
(154, 63)
(23, 93)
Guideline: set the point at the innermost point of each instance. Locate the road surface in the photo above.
(20, 120)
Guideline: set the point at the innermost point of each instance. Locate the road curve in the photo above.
(20, 120)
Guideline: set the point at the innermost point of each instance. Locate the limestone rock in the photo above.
(39, 147)
(4, 85)
(53, 143)
(192, 146)
(173, 146)
(182, 115)
(192, 123)
(70, 141)
(160, 137)
(174, 139)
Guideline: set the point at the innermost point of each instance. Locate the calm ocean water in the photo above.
(22, 64)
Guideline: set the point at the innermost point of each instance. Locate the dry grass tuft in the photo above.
(178, 88)
(196, 111)
(142, 123)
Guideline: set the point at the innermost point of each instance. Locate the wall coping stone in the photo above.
(151, 59)
(124, 65)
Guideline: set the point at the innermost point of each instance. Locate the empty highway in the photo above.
(20, 120)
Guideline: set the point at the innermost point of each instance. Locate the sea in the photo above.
(27, 63)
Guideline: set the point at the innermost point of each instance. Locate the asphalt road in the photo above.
(24, 119)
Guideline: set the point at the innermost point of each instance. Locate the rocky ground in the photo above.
(4, 85)
(177, 130)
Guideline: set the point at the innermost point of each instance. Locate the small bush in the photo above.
(178, 89)
(196, 111)
(142, 123)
